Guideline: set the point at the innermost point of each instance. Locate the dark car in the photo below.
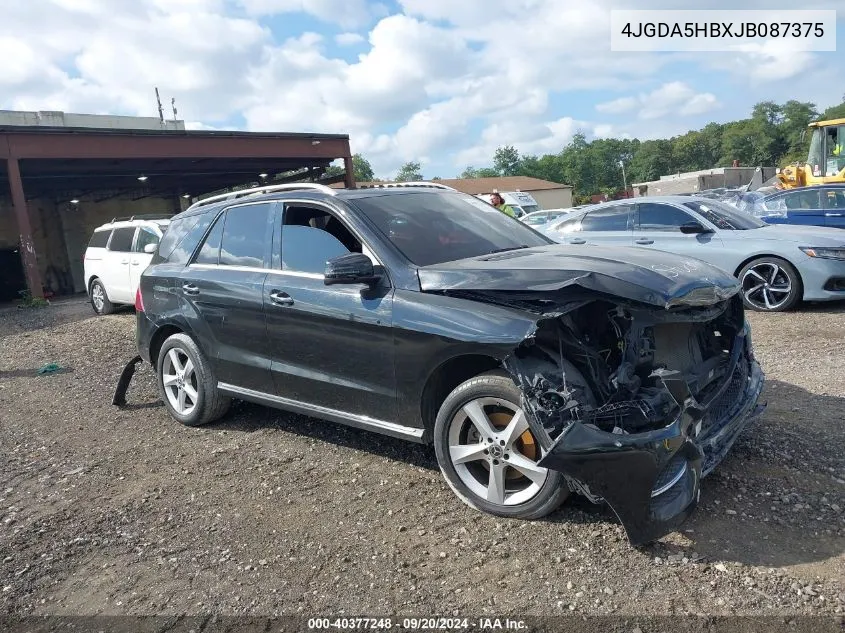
(809, 206)
(535, 369)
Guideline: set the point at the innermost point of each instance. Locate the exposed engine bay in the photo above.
(606, 364)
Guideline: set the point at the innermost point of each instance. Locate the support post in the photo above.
(349, 175)
(27, 247)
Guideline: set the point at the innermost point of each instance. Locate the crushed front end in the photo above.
(634, 404)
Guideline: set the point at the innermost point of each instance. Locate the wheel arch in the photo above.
(445, 377)
(161, 335)
(750, 259)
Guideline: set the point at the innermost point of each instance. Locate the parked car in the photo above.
(809, 206)
(117, 254)
(538, 218)
(535, 369)
(777, 266)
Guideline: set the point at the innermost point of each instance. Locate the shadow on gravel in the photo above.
(248, 417)
(33, 373)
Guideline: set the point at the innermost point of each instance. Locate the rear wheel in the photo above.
(770, 284)
(100, 299)
(187, 384)
(488, 454)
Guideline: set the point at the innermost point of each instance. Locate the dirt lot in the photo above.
(105, 511)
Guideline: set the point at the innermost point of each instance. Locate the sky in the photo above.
(441, 82)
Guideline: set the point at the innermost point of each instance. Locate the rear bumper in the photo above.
(143, 334)
(652, 480)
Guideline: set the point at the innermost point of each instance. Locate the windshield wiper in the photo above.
(509, 248)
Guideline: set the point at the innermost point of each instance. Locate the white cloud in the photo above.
(425, 82)
(348, 39)
(673, 98)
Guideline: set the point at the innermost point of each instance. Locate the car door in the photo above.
(222, 291)
(804, 207)
(140, 259)
(114, 272)
(609, 226)
(834, 207)
(657, 225)
(331, 346)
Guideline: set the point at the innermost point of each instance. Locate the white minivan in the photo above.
(117, 254)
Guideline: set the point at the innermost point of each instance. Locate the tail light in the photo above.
(139, 301)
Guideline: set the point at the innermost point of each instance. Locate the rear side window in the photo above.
(182, 237)
(245, 234)
(99, 239)
(611, 219)
(210, 251)
(121, 240)
(145, 236)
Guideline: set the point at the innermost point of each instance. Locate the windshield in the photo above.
(540, 218)
(432, 228)
(530, 208)
(724, 216)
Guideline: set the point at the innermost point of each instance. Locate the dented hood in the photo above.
(646, 276)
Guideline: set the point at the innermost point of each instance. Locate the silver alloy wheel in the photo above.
(766, 286)
(180, 381)
(489, 454)
(98, 296)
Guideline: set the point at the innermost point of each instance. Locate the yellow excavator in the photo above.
(826, 161)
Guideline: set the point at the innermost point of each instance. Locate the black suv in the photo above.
(535, 369)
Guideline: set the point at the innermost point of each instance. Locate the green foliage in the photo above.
(774, 135)
(28, 301)
(362, 169)
(409, 172)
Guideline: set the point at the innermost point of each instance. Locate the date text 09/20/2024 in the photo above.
(416, 624)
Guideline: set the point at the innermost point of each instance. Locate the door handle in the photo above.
(190, 289)
(136, 263)
(644, 240)
(578, 240)
(124, 261)
(281, 298)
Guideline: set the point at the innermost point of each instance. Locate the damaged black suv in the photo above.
(535, 369)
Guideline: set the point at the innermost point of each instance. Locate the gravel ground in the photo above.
(107, 511)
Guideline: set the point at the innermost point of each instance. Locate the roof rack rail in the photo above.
(420, 183)
(254, 191)
(143, 216)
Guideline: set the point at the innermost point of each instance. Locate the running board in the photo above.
(324, 413)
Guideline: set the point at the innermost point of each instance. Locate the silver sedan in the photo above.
(777, 265)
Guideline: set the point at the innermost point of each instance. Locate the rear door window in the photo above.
(145, 236)
(121, 239)
(613, 218)
(246, 234)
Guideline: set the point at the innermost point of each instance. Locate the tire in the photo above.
(100, 298)
(492, 391)
(770, 284)
(200, 387)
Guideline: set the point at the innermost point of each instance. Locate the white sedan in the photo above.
(777, 265)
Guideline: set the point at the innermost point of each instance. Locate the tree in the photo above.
(482, 172)
(362, 169)
(652, 160)
(409, 172)
(506, 161)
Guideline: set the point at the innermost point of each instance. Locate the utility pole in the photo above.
(160, 109)
(624, 178)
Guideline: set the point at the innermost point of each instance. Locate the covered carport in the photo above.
(63, 182)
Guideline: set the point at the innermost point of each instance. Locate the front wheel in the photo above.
(770, 284)
(488, 454)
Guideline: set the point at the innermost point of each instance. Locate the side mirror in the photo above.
(694, 227)
(150, 248)
(352, 268)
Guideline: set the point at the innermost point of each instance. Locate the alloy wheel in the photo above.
(98, 296)
(494, 452)
(766, 286)
(180, 381)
